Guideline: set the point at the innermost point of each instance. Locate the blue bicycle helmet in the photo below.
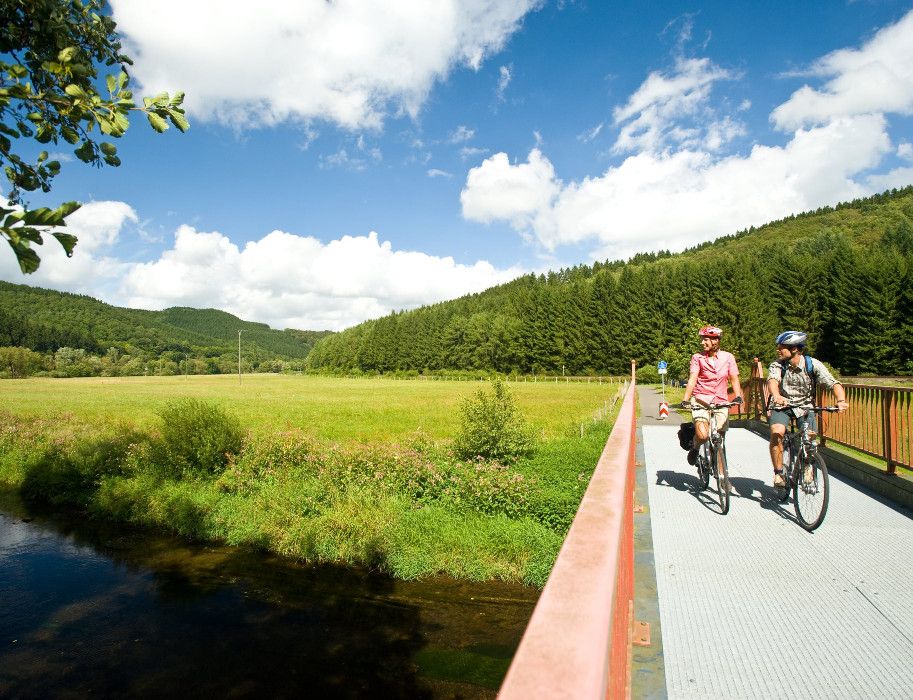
(792, 338)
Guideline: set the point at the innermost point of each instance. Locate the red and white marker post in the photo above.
(663, 406)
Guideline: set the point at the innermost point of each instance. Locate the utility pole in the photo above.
(239, 356)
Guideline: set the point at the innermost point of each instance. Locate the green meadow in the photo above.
(357, 471)
(366, 409)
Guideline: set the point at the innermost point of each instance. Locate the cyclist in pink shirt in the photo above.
(712, 370)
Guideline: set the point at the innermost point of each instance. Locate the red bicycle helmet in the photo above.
(710, 332)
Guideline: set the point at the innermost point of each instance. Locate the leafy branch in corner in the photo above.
(49, 73)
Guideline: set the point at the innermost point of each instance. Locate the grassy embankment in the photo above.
(356, 471)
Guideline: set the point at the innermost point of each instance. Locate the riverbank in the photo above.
(408, 509)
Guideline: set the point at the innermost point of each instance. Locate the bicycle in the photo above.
(804, 471)
(712, 457)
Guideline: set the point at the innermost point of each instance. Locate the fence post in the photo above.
(887, 429)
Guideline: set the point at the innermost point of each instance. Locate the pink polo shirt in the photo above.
(713, 375)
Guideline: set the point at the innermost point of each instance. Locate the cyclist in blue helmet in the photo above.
(791, 381)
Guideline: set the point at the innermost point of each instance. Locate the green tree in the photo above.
(50, 53)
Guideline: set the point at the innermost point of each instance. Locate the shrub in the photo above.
(491, 427)
(197, 438)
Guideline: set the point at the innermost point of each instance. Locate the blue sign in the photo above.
(661, 365)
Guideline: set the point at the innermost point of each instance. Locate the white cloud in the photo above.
(652, 118)
(468, 152)
(282, 279)
(342, 159)
(504, 77)
(97, 225)
(434, 172)
(351, 62)
(653, 201)
(461, 134)
(588, 136)
(296, 281)
(681, 186)
(876, 78)
(518, 193)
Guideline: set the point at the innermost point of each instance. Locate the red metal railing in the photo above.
(878, 423)
(578, 641)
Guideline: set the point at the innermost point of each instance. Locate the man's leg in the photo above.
(777, 431)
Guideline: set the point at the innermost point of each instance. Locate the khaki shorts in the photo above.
(698, 412)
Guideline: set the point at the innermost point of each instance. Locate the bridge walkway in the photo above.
(753, 606)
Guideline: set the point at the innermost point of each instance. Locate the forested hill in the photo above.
(843, 273)
(45, 321)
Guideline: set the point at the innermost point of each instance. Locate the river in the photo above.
(103, 610)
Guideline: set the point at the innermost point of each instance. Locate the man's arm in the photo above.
(773, 388)
(825, 377)
(840, 395)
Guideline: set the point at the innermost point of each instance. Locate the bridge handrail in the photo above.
(879, 422)
(578, 641)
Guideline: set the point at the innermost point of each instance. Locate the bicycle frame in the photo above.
(805, 472)
(803, 447)
(712, 457)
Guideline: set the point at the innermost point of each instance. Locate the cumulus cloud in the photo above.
(350, 62)
(875, 78)
(98, 226)
(672, 200)
(295, 281)
(283, 279)
(520, 192)
(677, 184)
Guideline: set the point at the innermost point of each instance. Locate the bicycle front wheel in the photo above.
(703, 470)
(721, 470)
(810, 495)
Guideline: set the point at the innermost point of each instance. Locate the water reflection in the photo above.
(88, 608)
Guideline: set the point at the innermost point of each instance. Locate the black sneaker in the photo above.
(692, 456)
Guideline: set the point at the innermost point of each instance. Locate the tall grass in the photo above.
(404, 504)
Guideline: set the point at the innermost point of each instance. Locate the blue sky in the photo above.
(351, 158)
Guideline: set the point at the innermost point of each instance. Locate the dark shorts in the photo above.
(782, 418)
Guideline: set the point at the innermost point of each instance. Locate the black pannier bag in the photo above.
(686, 435)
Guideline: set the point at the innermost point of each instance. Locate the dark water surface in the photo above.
(91, 609)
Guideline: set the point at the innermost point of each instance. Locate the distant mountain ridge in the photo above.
(44, 320)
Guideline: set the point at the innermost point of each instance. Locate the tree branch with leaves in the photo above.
(50, 91)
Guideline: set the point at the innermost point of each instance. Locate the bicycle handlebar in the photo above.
(710, 406)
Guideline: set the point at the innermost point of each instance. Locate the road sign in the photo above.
(661, 370)
(661, 364)
(663, 410)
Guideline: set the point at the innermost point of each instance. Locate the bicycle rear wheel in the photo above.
(721, 472)
(811, 498)
(783, 492)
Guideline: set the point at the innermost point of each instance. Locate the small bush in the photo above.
(492, 428)
(197, 438)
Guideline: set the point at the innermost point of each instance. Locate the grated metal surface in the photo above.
(753, 606)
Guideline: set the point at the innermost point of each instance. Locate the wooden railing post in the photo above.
(888, 429)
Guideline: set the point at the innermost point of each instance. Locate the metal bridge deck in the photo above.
(753, 606)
